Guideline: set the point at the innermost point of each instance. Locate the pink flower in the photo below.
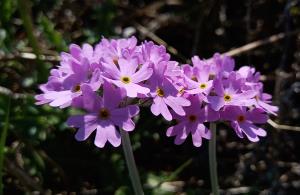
(192, 123)
(242, 121)
(103, 115)
(231, 95)
(63, 86)
(263, 101)
(164, 94)
(128, 76)
(219, 65)
(110, 51)
(77, 54)
(199, 83)
(152, 54)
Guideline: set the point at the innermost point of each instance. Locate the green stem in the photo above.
(2, 144)
(25, 13)
(133, 172)
(174, 174)
(213, 160)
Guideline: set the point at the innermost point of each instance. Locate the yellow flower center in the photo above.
(76, 88)
(181, 91)
(125, 79)
(241, 118)
(103, 114)
(160, 92)
(227, 98)
(192, 118)
(202, 86)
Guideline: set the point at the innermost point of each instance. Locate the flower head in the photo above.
(193, 95)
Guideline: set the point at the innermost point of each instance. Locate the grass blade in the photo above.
(2, 144)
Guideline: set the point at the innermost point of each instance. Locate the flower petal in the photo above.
(205, 132)
(111, 96)
(86, 123)
(218, 87)
(113, 136)
(235, 125)
(143, 74)
(197, 138)
(267, 107)
(165, 111)
(257, 115)
(106, 131)
(100, 138)
(160, 107)
(111, 70)
(178, 140)
(121, 117)
(257, 130)
(231, 113)
(155, 109)
(216, 102)
(171, 101)
(127, 66)
(210, 114)
(251, 135)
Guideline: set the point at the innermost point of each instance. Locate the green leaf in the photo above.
(123, 190)
(54, 37)
(7, 8)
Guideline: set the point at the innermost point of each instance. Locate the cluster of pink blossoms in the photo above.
(106, 82)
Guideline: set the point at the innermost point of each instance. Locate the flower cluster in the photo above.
(107, 80)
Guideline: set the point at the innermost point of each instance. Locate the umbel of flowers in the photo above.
(109, 80)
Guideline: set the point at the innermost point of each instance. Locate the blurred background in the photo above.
(40, 152)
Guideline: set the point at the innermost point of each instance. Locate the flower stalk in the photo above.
(213, 161)
(2, 144)
(133, 172)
